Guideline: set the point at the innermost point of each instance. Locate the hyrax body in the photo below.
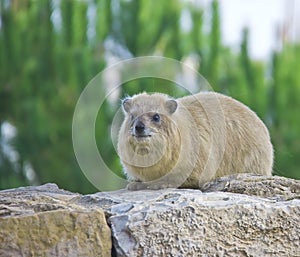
(185, 142)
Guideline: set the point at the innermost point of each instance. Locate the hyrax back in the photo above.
(186, 142)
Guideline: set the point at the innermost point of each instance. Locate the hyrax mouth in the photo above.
(142, 138)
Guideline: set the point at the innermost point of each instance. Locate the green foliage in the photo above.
(213, 66)
(50, 50)
(285, 101)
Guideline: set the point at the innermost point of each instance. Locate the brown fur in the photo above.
(197, 138)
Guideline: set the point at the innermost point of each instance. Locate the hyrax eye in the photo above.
(156, 117)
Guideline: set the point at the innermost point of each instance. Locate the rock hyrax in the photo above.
(186, 142)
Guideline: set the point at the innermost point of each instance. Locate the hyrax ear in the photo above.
(171, 105)
(126, 104)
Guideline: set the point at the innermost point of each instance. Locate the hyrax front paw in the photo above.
(133, 186)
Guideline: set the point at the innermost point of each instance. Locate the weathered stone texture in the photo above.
(277, 188)
(42, 221)
(190, 223)
(241, 215)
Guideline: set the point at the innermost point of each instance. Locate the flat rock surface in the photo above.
(241, 215)
(278, 188)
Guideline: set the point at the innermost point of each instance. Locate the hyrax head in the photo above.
(147, 115)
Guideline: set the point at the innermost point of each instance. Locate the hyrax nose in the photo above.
(139, 127)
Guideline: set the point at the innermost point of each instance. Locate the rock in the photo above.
(278, 188)
(241, 215)
(189, 223)
(43, 221)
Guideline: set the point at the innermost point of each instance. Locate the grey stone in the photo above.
(240, 215)
(43, 221)
(208, 224)
(278, 188)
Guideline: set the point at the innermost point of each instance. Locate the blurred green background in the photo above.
(51, 49)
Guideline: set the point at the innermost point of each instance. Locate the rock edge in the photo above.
(243, 215)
